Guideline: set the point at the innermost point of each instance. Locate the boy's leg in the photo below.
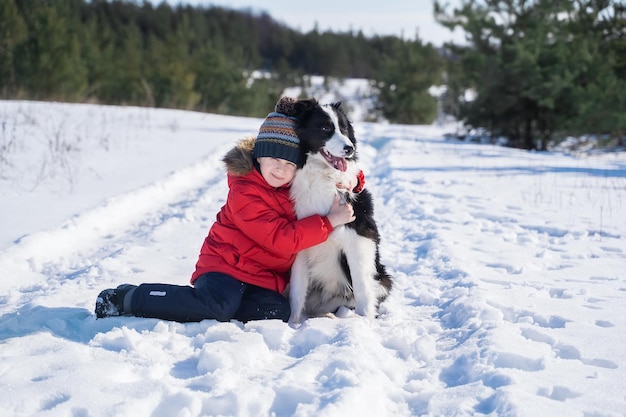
(262, 304)
(214, 296)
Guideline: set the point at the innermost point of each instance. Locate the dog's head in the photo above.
(325, 132)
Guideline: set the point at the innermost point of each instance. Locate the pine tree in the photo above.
(404, 81)
(538, 68)
(12, 33)
(48, 62)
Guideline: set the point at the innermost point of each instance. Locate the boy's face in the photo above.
(277, 172)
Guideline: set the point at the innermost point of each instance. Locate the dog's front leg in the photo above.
(362, 269)
(298, 287)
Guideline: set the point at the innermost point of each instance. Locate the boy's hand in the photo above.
(340, 213)
(350, 186)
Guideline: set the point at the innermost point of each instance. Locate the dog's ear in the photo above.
(338, 106)
(302, 107)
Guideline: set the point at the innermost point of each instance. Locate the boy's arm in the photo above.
(268, 228)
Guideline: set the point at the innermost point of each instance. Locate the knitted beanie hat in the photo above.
(277, 137)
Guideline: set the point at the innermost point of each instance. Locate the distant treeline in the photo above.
(535, 70)
(196, 58)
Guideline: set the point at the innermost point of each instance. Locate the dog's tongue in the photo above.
(336, 161)
(340, 163)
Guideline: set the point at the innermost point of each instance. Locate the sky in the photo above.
(509, 295)
(402, 18)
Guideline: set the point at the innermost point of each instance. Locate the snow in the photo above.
(509, 295)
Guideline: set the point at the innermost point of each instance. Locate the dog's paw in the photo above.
(295, 326)
(295, 319)
(367, 311)
(344, 312)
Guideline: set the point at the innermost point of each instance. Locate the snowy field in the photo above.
(509, 266)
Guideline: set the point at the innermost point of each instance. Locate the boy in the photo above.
(245, 260)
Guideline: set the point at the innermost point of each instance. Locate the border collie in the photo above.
(344, 271)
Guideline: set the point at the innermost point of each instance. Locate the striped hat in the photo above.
(277, 137)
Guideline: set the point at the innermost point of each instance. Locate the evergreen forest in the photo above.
(532, 71)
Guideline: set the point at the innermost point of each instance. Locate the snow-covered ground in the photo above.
(509, 266)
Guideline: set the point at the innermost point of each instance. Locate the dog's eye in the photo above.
(327, 129)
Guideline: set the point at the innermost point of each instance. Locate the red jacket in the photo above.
(256, 235)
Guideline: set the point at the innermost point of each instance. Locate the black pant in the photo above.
(214, 296)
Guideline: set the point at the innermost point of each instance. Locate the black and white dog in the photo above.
(345, 270)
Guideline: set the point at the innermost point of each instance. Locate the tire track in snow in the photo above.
(42, 262)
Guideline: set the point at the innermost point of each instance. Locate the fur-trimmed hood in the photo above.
(239, 160)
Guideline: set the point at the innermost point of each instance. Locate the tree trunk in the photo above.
(529, 143)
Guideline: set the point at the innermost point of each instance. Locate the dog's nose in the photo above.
(348, 150)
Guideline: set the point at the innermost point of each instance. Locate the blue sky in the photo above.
(389, 17)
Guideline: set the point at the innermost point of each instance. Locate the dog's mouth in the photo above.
(336, 162)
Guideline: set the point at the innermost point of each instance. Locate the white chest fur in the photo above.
(314, 186)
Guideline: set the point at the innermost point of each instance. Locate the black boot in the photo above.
(115, 302)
